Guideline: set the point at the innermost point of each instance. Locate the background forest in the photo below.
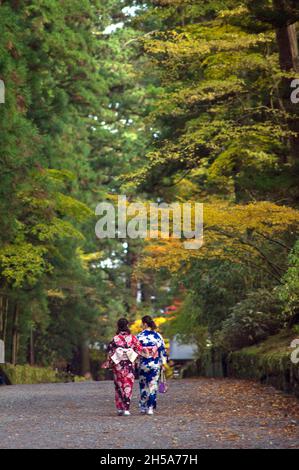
(168, 101)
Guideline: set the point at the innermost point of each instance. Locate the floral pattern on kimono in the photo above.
(123, 372)
(150, 367)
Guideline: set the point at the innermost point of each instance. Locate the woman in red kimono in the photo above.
(122, 354)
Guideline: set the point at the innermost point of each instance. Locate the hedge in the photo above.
(269, 362)
(25, 374)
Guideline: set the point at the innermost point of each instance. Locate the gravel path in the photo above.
(199, 413)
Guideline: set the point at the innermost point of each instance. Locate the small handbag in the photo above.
(163, 387)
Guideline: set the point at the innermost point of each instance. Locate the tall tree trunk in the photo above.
(1, 316)
(31, 347)
(288, 47)
(85, 359)
(131, 280)
(5, 319)
(146, 292)
(15, 335)
(287, 41)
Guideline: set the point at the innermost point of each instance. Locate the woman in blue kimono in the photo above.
(152, 360)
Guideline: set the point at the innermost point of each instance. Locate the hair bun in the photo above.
(147, 320)
(123, 325)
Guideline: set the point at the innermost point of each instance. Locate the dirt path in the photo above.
(200, 413)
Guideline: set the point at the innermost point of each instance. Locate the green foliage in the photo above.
(289, 291)
(26, 374)
(183, 102)
(54, 166)
(220, 112)
(252, 320)
(186, 326)
(224, 132)
(268, 362)
(22, 263)
(212, 289)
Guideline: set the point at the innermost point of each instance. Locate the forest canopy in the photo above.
(169, 101)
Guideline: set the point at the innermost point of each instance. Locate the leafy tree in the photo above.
(225, 134)
(288, 292)
(251, 320)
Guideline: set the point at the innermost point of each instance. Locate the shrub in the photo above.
(25, 374)
(268, 362)
(252, 320)
(289, 291)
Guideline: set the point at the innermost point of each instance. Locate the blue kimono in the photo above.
(150, 367)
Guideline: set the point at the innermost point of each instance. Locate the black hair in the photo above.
(147, 320)
(122, 326)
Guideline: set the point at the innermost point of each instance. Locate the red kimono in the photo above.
(123, 348)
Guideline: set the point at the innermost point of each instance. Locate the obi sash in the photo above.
(124, 354)
(150, 351)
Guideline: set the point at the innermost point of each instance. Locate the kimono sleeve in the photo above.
(162, 350)
(111, 348)
(137, 346)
